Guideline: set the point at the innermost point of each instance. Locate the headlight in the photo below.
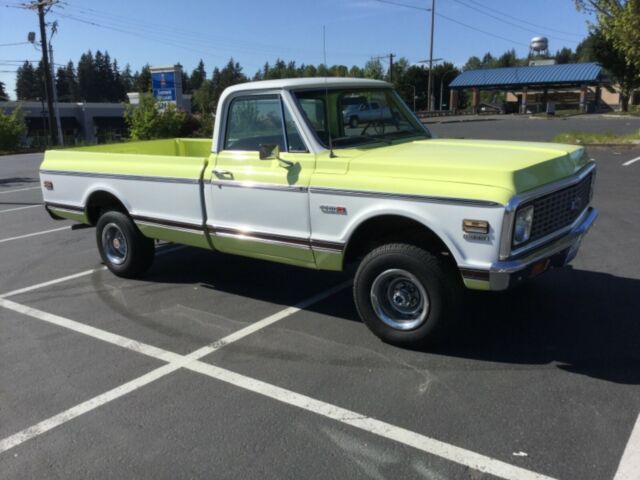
(522, 227)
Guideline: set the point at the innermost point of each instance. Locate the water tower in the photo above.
(539, 47)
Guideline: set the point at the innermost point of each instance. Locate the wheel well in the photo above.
(393, 228)
(99, 201)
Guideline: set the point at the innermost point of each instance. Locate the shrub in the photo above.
(12, 129)
(146, 121)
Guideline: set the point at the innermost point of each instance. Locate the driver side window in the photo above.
(254, 121)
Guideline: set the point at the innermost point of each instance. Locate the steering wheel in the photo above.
(378, 127)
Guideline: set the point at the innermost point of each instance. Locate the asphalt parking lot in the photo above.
(224, 367)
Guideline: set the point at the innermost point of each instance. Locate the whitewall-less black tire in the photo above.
(124, 250)
(406, 295)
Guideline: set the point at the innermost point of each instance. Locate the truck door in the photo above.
(259, 202)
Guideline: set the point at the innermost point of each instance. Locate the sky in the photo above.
(255, 31)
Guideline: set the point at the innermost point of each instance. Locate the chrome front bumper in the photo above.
(506, 274)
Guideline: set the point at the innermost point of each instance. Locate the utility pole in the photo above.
(430, 84)
(54, 30)
(48, 83)
(391, 55)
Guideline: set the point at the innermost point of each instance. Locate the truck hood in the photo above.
(514, 166)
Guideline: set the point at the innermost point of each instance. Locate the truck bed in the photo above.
(159, 182)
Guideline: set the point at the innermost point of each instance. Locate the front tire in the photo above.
(406, 295)
(124, 250)
(353, 122)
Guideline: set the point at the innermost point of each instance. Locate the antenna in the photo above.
(326, 90)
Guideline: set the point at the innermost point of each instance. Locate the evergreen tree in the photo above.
(198, 76)
(126, 78)
(143, 80)
(27, 87)
(87, 91)
(67, 83)
(3, 93)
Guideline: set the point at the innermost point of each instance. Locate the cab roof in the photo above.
(311, 82)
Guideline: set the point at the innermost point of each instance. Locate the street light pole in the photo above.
(430, 84)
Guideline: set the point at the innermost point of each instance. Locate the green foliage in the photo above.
(374, 69)
(588, 138)
(3, 93)
(146, 121)
(12, 129)
(619, 22)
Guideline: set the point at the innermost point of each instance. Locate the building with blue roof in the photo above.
(535, 86)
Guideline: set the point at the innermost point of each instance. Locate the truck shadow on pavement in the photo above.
(16, 181)
(584, 322)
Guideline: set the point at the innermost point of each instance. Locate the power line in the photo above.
(405, 5)
(507, 22)
(471, 27)
(544, 27)
(173, 33)
(13, 44)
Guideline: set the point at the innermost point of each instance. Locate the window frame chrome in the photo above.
(506, 248)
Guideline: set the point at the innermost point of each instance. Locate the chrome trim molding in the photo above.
(517, 200)
(117, 176)
(402, 196)
(297, 242)
(258, 186)
(64, 206)
(164, 223)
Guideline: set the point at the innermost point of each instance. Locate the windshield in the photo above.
(358, 116)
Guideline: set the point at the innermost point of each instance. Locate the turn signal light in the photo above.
(475, 226)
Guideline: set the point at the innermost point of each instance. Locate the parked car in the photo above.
(366, 112)
(420, 218)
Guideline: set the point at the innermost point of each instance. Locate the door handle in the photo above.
(225, 174)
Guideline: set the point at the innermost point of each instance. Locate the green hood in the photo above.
(512, 166)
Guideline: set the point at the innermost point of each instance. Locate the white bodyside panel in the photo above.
(281, 212)
(155, 199)
(444, 219)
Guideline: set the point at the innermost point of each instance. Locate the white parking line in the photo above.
(19, 237)
(37, 286)
(175, 360)
(426, 444)
(20, 190)
(633, 160)
(629, 467)
(429, 445)
(20, 208)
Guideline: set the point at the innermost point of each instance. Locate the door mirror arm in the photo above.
(269, 151)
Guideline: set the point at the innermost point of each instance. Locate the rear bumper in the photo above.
(506, 274)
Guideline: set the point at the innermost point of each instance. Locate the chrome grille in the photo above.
(559, 209)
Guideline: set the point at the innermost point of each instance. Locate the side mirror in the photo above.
(269, 151)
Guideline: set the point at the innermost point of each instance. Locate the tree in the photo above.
(142, 82)
(87, 88)
(507, 59)
(597, 47)
(27, 83)
(373, 69)
(565, 55)
(3, 93)
(126, 78)
(146, 121)
(12, 129)
(619, 23)
(67, 83)
(198, 76)
(474, 63)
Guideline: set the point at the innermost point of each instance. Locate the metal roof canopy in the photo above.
(539, 76)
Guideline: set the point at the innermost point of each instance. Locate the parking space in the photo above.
(234, 368)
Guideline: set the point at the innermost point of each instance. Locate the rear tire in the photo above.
(353, 122)
(124, 250)
(406, 295)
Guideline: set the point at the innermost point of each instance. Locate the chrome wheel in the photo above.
(399, 299)
(114, 244)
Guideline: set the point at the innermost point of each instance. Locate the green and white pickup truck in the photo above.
(287, 179)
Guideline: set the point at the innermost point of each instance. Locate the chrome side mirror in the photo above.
(269, 151)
